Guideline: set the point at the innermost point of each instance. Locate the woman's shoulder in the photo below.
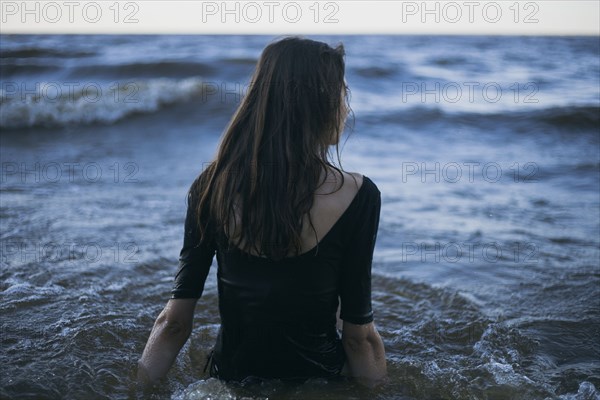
(355, 178)
(200, 182)
(365, 205)
(340, 185)
(360, 183)
(349, 191)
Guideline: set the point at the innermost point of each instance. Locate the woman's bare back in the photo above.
(331, 200)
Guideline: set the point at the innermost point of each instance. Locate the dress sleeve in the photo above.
(355, 292)
(195, 257)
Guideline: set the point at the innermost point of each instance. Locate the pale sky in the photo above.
(504, 17)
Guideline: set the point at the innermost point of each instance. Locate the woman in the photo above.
(292, 233)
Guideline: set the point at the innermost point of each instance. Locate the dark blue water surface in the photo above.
(486, 273)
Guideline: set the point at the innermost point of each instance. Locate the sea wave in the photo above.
(11, 68)
(52, 105)
(586, 391)
(575, 117)
(41, 52)
(16, 68)
(163, 69)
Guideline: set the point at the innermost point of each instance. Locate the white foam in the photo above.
(587, 391)
(210, 389)
(55, 105)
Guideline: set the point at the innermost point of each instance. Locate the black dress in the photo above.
(278, 317)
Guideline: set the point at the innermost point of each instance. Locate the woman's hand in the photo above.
(170, 332)
(365, 353)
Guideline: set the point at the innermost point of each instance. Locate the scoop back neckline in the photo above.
(315, 247)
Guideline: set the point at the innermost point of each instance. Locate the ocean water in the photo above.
(486, 275)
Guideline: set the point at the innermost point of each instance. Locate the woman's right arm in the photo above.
(170, 332)
(364, 352)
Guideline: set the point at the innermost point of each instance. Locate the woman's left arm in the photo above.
(170, 332)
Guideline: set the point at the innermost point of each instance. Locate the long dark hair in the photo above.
(276, 147)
